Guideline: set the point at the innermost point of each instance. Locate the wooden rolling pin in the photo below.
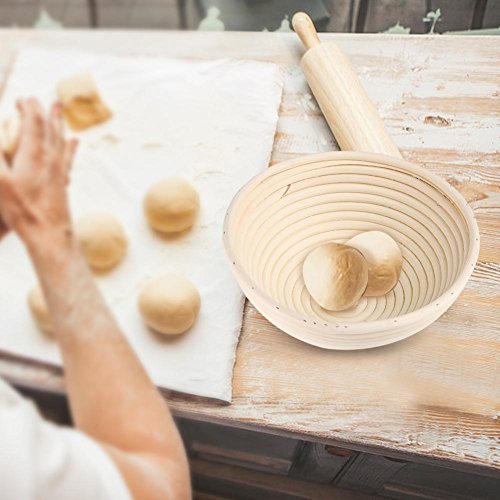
(349, 111)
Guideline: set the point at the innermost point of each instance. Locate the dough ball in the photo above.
(82, 104)
(384, 261)
(335, 275)
(10, 131)
(102, 240)
(39, 310)
(171, 205)
(169, 304)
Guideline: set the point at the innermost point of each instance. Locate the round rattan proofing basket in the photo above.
(285, 212)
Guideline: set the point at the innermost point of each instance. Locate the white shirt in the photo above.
(39, 460)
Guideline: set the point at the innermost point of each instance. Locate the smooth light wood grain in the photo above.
(434, 397)
(305, 30)
(351, 114)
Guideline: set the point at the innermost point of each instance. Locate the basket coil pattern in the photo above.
(284, 213)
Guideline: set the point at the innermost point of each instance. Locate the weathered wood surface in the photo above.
(435, 396)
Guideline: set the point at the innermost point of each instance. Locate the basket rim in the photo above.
(441, 303)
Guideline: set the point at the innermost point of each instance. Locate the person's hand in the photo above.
(33, 194)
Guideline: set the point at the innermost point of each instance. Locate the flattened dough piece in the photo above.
(82, 104)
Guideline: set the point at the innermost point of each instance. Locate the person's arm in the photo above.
(112, 398)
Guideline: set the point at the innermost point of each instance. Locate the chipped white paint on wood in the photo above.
(436, 395)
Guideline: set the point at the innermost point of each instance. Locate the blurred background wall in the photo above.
(255, 15)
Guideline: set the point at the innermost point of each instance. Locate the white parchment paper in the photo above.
(211, 122)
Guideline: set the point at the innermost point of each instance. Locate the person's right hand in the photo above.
(33, 194)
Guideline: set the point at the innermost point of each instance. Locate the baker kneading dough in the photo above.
(384, 261)
(335, 275)
(171, 205)
(10, 130)
(82, 104)
(39, 310)
(102, 239)
(169, 304)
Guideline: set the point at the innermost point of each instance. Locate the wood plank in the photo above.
(237, 483)
(319, 463)
(248, 449)
(421, 481)
(206, 496)
(369, 473)
(434, 397)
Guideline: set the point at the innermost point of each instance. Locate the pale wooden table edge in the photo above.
(177, 403)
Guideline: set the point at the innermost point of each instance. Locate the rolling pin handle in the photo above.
(304, 27)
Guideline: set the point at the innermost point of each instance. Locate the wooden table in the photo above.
(434, 397)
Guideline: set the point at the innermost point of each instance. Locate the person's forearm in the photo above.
(111, 396)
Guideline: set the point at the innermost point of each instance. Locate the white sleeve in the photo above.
(39, 460)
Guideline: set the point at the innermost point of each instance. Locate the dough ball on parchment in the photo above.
(102, 239)
(171, 205)
(169, 304)
(39, 310)
(335, 275)
(384, 261)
